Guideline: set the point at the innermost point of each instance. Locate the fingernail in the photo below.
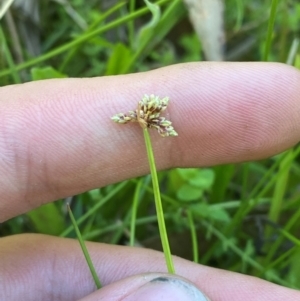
(167, 288)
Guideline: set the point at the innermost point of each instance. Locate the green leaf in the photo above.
(228, 242)
(187, 173)
(223, 176)
(5, 51)
(94, 194)
(47, 219)
(220, 215)
(192, 48)
(147, 30)
(200, 209)
(204, 179)
(189, 193)
(118, 60)
(171, 16)
(206, 211)
(201, 178)
(45, 73)
(294, 268)
(297, 61)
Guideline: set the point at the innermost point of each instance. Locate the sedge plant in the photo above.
(148, 116)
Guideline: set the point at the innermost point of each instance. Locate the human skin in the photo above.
(57, 140)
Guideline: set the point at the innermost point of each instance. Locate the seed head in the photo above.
(148, 115)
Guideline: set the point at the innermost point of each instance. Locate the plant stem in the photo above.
(12, 67)
(84, 250)
(193, 236)
(158, 205)
(270, 29)
(131, 25)
(134, 212)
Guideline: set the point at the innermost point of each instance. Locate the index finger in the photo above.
(57, 139)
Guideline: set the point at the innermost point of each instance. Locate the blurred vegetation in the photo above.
(242, 217)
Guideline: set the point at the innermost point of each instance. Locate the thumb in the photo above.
(149, 287)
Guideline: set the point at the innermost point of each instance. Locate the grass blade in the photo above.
(270, 29)
(84, 250)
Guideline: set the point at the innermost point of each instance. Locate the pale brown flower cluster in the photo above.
(148, 115)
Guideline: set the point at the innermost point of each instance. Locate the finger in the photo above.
(57, 139)
(40, 267)
(149, 287)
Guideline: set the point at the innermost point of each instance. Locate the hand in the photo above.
(56, 140)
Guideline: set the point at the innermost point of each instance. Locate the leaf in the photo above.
(201, 178)
(118, 60)
(223, 176)
(297, 61)
(94, 194)
(45, 73)
(205, 210)
(204, 179)
(200, 209)
(187, 173)
(189, 193)
(220, 215)
(192, 48)
(171, 16)
(147, 29)
(47, 219)
(227, 243)
(294, 267)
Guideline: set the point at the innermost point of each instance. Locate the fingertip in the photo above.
(169, 289)
(150, 287)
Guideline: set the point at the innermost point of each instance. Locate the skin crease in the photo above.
(56, 140)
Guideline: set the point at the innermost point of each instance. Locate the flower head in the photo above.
(148, 115)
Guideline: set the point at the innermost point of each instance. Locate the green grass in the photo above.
(84, 250)
(238, 217)
(158, 204)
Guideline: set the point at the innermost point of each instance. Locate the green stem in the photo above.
(134, 212)
(270, 29)
(131, 24)
(193, 236)
(158, 205)
(84, 250)
(9, 58)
